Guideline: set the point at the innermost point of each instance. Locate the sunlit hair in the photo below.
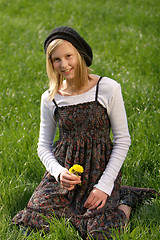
(55, 79)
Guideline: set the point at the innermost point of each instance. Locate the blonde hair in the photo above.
(55, 79)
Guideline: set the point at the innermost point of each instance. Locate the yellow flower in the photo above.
(76, 169)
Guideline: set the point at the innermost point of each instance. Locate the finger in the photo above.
(98, 204)
(69, 177)
(70, 183)
(102, 204)
(67, 184)
(72, 176)
(71, 188)
(71, 180)
(68, 187)
(89, 200)
(75, 177)
(86, 204)
(92, 203)
(95, 205)
(67, 174)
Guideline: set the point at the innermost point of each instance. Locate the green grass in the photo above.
(124, 36)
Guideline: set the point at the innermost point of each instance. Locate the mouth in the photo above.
(67, 71)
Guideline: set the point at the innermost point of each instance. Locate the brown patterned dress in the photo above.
(84, 139)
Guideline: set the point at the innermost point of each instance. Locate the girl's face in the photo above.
(65, 60)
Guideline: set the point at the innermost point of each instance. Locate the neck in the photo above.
(70, 88)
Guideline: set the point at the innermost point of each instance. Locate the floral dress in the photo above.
(84, 138)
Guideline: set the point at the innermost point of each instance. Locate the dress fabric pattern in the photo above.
(84, 138)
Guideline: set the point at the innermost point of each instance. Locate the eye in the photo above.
(69, 56)
(55, 59)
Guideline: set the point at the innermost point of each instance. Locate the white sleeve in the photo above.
(121, 139)
(46, 137)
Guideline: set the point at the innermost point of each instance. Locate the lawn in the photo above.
(124, 36)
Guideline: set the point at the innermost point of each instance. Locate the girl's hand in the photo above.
(96, 199)
(69, 180)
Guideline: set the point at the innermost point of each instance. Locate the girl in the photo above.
(85, 106)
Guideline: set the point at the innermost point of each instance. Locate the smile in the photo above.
(67, 71)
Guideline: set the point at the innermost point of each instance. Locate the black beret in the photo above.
(70, 35)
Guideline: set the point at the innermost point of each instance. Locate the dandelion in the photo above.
(76, 169)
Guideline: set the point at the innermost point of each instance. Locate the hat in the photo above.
(70, 35)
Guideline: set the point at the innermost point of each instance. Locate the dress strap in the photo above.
(55, 103)
(96, 96)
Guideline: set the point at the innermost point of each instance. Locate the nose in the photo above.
(64, 64)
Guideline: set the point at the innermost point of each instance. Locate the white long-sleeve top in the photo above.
(109, 96)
